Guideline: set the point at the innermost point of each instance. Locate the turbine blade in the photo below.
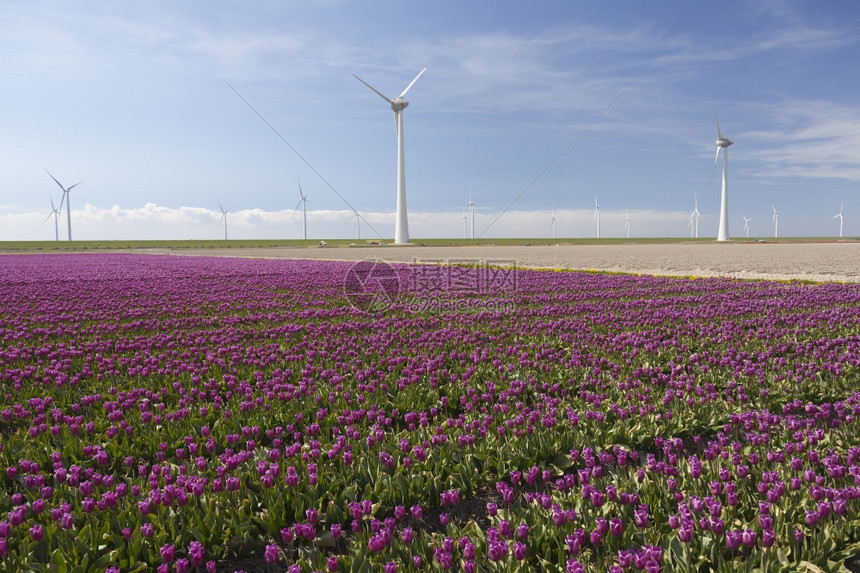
(55, 181)
(716, 159)
(48, 217)
(75, 185)
(719, 133)
(412, 82)
(373, 88)
(52, 203)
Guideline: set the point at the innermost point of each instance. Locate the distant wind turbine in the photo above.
(552, 213)
(747, 225)
(597, 215)
(66, 199)
(357, 225)
(627, 223)
(694, 217)
(839, 216)
(465, 225)
(56, 213)
(471, 208)
(223, 219)
(303, 203)
(775, 221)
(723, 144)
(398, 104)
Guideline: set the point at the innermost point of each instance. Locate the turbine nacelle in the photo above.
(724, 142)
(398, 104)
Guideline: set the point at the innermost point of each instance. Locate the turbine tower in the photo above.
(357, 225)
(465, 225)
(723, 144)
(398, 104)
(552, 213)
(303, 202)
(839, 216)
(627, 223)
(66, 199)
(224, 219)
(747, 225)
(775, 221)
(471, 207)
(597, 215)
(56, 213)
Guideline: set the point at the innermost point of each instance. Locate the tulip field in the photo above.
(189, 414)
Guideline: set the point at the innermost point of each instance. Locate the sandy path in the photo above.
(808, 261)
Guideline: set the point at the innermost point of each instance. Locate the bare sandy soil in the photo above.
(827, 262)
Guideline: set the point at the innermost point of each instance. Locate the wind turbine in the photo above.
(723, 144)
(747, 225)
(597, 215)
(694, 225)
(471, 207)
(303, 202)
(552, 213)
(465, 225)
(66, 199)
(398, 104)
(775, 221)
(224, 219)
(627, 223)
(357, 225)
(56, 213)
(839, 216)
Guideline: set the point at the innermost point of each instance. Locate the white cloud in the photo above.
(811, 139)
(159, 222)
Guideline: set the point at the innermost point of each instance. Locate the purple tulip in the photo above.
(733, 539)
(616, 527)
(685, 533)
(519, 551)
(271, 553)
(196, 554)
(167, 553)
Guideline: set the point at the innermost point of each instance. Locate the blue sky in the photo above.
(130, 98)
